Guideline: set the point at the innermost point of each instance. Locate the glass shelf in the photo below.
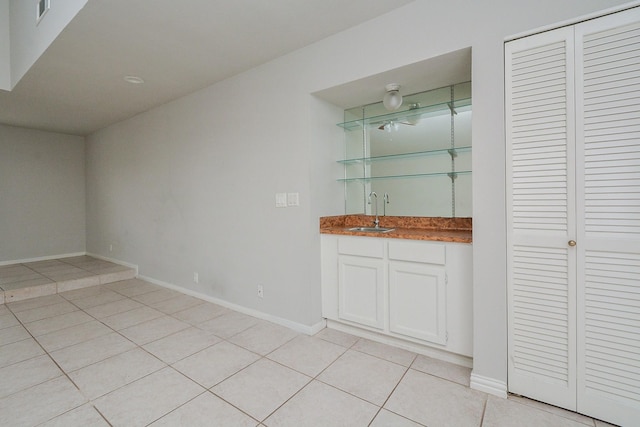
(453, 152)
(460, 105)
(452, 175)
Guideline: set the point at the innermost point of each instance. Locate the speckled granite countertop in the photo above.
(406, 227)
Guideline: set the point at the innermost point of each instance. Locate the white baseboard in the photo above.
(489, 385)
(298, 327)
(43, 258)
(115, 261)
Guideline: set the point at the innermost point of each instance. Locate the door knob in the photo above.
(572, 242)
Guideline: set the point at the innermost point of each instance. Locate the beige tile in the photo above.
(553, 409)
(19, 351)
(321, 405)
(263, 337)
(445, 370)
(117, 276)
(184, 343)
(161, 294)
(140, 403)
(56, 323)
(364, 376)
(22, 276)
(28, 373)
(45, 312)
(104, 297)
(74, 283)
(83, 416)
(509, 413)
(44, 264)
(8, 320)
(91, 351)
(131, 318)
(228, 324)
(30, 284)
(83, 292)
(74, 335)
(111, 308)
(35, 303)
(152, 330)
(261, 388)
(87, 262)
(216, 363)
(54, 397)
(177, 303)
(389, 419)
(112, 268)
(337, 337)
(433, 401)
(61, 272)
(8, 273)
(110, 374)
(206, 410)
(386, 352)
(29, 292)
(132, 287)
(308, 355)
(13, 334)
(200, 313)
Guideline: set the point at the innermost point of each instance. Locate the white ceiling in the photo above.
(177, 47)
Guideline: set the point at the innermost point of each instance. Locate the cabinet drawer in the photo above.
(365, 246)
(431, 253)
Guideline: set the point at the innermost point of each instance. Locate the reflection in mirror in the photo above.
(419, 156)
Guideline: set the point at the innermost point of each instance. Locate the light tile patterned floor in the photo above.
(40, 278)
(130, 353)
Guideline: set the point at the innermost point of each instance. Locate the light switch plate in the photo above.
(281, 200)
(293, 199)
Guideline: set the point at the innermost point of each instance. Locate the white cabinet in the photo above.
(361, 290)
(573, 206)
(417, 301)
(415, 291)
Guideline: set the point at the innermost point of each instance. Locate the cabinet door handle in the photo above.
(572, 242)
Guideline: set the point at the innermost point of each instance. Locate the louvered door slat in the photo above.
(608, 159)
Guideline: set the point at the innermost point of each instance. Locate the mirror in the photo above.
(418, 156)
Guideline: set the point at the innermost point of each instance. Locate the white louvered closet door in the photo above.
(608, 190)
(573, 200)
(540, 204)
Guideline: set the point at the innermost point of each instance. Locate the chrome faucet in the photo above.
(385, 202)
(377, 221)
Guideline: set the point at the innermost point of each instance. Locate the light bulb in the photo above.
(392, 99)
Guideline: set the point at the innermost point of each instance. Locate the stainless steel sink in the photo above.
(372, 229)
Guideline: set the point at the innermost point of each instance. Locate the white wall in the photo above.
(5, 63)
(42, 194)
(30, 39)
(190, 186)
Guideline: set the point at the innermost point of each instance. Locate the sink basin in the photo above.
(372, 229)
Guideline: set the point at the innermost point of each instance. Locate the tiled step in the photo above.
(40, 278)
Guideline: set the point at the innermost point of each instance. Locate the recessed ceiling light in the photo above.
(133, 79)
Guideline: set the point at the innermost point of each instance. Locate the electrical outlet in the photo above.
(260, 291)
(196, 278)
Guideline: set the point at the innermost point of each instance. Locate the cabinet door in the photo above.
(417, 301)
(541, 269)
(361, 290)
